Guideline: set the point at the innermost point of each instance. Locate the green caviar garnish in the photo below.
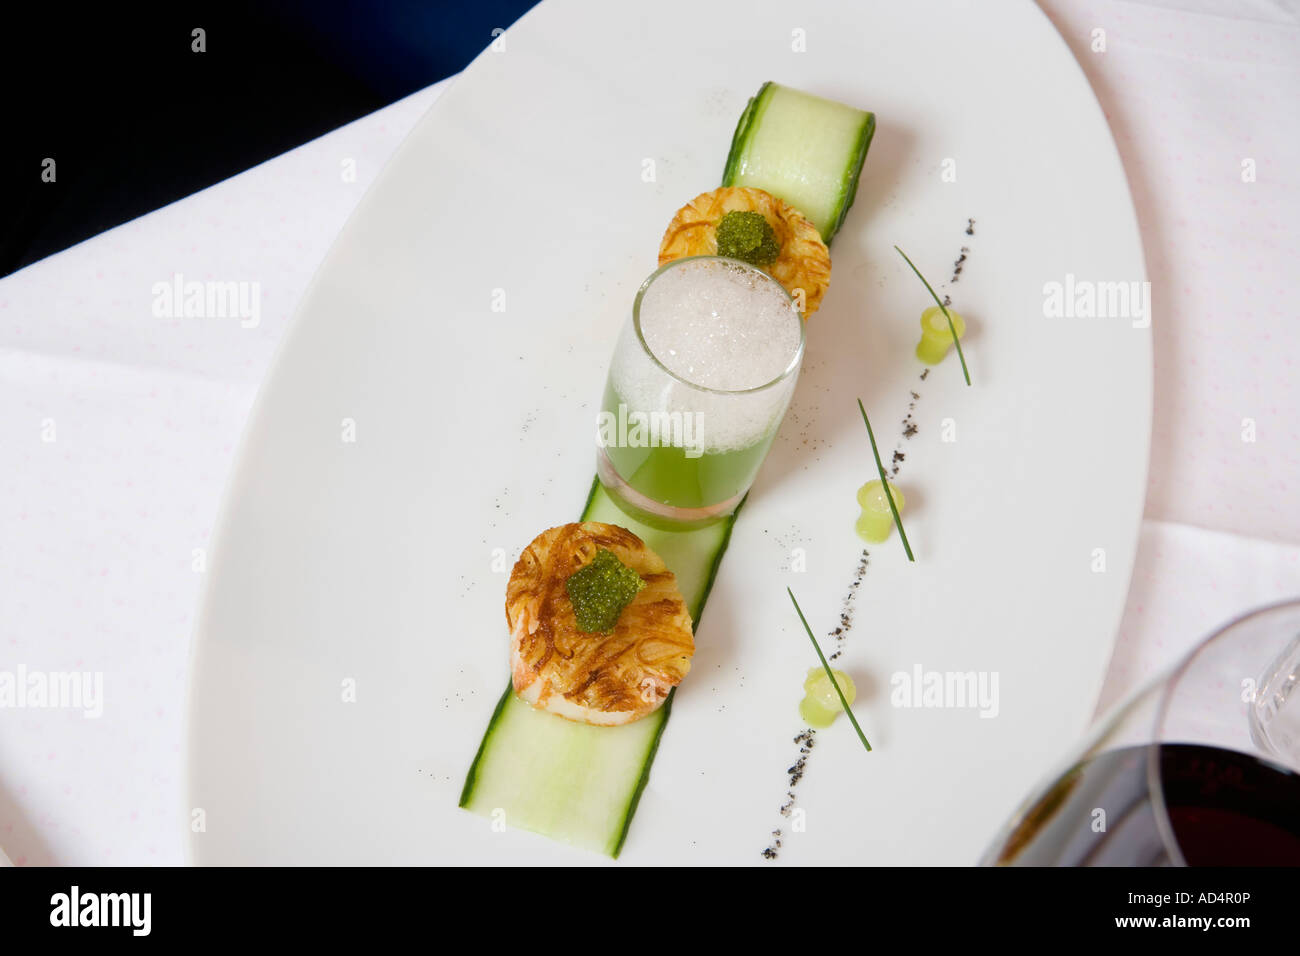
(601, 590)
(747, 236)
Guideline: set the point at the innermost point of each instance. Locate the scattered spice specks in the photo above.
(909, 424)
(956, 266)
(846, 607)
(805, 740)
(790, 541)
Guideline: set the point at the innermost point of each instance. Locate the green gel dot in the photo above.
(876, 520)
(936, 337)
(815, 715)
(821, 704)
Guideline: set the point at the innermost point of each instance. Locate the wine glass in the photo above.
(1199, 768)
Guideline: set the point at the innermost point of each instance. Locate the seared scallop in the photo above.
(803, 263)
(598, 678)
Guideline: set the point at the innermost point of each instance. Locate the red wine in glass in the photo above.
(1201, 768)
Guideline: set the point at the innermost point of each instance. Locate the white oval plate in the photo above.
(376, 564)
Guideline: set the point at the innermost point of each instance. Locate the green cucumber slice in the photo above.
(581, 784)
(803, 149)
(571, 781)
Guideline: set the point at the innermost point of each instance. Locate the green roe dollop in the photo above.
(747, 236)
(600, 590)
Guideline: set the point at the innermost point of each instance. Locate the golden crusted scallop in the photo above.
(804, 262)
(601, 679)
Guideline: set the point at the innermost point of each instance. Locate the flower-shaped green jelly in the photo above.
(821, 704)
(876, 520)
(936, 335)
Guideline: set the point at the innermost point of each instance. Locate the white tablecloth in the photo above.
(118, 427)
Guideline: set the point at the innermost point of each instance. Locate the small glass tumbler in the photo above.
(674, 448)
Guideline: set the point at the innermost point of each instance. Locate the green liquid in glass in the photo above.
(667, 474)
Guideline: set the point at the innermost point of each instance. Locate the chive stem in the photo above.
(951, 328)
(884, 483)
(829, 673)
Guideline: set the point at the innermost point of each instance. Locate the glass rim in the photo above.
(1165, 683)
(788, 371)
